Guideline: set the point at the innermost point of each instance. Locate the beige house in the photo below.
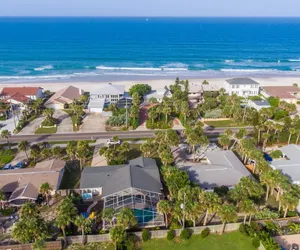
(64, 96)
(22, 185)
(289, 94)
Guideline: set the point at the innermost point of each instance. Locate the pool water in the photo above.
(144, 215)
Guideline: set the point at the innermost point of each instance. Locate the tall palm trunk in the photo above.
(279, 206)
(245, 218)
(166, 220)
(194, 151)
(267, 193)
(205, 218)
(250, 217)
(285, 212)
(223, 228)
(297, 139)
(289, 138)
(83, 236)
(64, 235)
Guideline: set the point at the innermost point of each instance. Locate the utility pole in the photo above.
(12, 111)
(126, 112)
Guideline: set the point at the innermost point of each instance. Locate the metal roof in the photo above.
(140, 173)
(242, 81)
(108, 89)
(223, 169)
(261, 103)
(290, 164)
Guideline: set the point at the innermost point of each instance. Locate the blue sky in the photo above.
(149, 7)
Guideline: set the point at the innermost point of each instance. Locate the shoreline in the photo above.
(88, 86)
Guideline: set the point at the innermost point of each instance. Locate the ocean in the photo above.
(108, 49)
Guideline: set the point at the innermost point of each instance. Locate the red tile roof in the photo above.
(283, 92)
(9, 91)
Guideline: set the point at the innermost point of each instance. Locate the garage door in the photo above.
(55, 106)
(95, 110)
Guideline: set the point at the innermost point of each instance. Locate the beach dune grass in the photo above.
(233, 241)
(42, 130)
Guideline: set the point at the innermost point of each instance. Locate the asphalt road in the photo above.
(98, 135)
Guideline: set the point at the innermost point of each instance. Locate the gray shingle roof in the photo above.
(224, 169)
(262, 103)
(141, 173)
(290, 165)
(241, 81)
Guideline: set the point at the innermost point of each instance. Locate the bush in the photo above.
(185, 234)
(256, 242)
(276, 154)
(205, 232)
(244, 229)
(7, 211)
(146, 235)
(171, 235)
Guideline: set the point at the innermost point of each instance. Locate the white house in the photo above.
(242, 86)
(105, 93)
(158, 94)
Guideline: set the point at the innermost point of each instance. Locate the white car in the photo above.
(112, 142)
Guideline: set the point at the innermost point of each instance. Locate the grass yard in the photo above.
(6, 156)
(223, 123)
(51, 130)
(230, 241)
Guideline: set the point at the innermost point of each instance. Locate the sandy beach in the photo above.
(155, 84)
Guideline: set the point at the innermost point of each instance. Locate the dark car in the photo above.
(7, 166)
(19, 165)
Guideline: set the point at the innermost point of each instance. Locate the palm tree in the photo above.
(46, 153)
(117, 235)
(193, 139)
(57, 151)
(194, 212)
(239, 136)
(269, 125)
(211, 203)
(298, 135)
(24, 146)
(164, 208)
(45, 190)
(185, 109)
(148, 148)
(28, 210)
(66, 214)
(48, 113)
(36, 105)
(292, 132)
(289, 202)
(269, 179)
(126, 218)
(167, 111)
(35, 152)
(152, 114)
(5, 134)
(3, 199)
(108, 215)
(228, 214)
(278, 128)
(82, 152)
(166, 156)
(82, 224)
(224, 141)
(265, 137)
(71, 149)
(247, 207)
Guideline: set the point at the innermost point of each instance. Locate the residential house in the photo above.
(289, 94)
(289, 164)
(258, 105)
(22, 185)
(64, 97)
(242, 86)
(105, 94)
(220, 168)
(20, 96)
(158, 94)
(135, 185)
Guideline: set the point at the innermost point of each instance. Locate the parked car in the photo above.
(112, 142)
(19, 165)
(8, 166)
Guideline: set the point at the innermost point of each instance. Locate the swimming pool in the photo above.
(87, 196)
(144, 215)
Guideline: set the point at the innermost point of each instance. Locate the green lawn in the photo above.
(51, 130)
(223, 123)
(230, 241)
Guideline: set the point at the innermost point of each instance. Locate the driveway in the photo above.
(93, 123)
(32, 126)
(65, 124)
(19, 157)
(98, 160)
(9, 124)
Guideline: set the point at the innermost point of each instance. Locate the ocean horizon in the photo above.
(37, 49)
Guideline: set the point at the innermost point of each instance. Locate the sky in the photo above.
(149, 8)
